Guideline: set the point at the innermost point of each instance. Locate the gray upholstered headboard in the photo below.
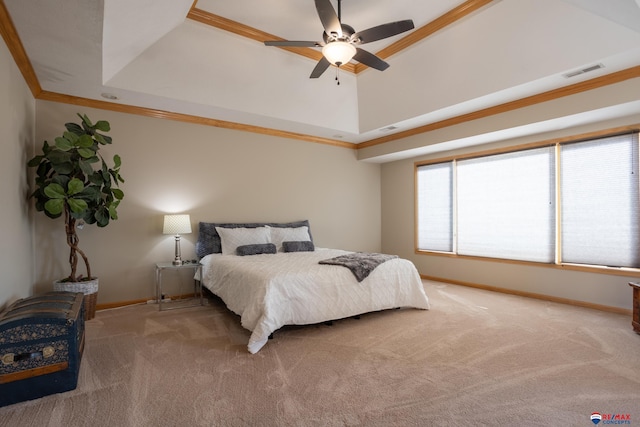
(209, 240)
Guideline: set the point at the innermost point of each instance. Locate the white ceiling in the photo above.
(148, 54)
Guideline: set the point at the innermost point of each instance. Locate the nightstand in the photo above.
(196, 267)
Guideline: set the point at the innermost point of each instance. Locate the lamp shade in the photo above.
(338, 53)
(176, 224)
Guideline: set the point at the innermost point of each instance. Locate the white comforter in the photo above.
(272, 290)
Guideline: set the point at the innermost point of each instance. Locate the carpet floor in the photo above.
(477, 358)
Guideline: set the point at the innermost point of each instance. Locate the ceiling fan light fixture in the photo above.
(340, 40)
(338, 52)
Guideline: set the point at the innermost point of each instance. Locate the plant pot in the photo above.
(90, 290)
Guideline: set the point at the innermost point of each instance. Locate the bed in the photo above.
(271, 275)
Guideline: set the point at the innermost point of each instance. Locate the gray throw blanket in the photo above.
(360, 263)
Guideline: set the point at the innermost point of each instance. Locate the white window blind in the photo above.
(506, 205)
(599, 190)
(435, 207)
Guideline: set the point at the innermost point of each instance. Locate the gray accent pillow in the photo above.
(256, 249)
(303, 246)
(209, 240)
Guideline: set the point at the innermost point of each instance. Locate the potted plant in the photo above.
(74, 181)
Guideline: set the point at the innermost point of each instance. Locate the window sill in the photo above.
(596, 269)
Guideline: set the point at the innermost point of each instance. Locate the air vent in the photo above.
(389, 128)
(107, 95)
(582, 71)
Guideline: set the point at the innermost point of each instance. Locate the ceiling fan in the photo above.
(341, 41)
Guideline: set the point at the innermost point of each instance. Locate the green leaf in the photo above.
(61, 180)
(85, 120)
(77, 205)
(75, 186)
(54, 206)
(63, 168)
(96, 179)
(92, 194)
(103, 126)
(102, 216)
(63, 144)
(58, 156)
(85, 141)
(50, 215)
(54, 191)
(117, 162)
(39, 205)
(117, 193)
(85, 166)
(35, 161)
(86, 153)
(99, 138)
(112, 210)
(72, 137)
(74, 128)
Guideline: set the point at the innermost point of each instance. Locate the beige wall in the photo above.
(17, 120)
(214, 175)
(398, 237)
(222, 175)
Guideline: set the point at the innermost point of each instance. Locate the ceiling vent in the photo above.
(582, 71)
(389, 128)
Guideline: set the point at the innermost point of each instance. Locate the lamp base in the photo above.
(178, 258)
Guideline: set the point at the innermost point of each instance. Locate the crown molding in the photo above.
(421, 33)
(186, 118)
(449, 18)
(13, 42)
(237, 28)
(16, 48)
(587, 85)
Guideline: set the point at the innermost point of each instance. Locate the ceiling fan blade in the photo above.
(320, 68)
(382, 31)
(370, 60)
(329, 18)
(288, 43)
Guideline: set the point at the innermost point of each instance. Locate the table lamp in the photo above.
(177, 225)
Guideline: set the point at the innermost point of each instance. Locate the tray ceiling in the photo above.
(177, 56)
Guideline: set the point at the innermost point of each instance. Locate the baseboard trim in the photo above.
(119, 304)
(543, 297)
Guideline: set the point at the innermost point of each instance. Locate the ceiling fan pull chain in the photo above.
(337, 76)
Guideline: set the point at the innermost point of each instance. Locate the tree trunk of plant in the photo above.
(74, 251)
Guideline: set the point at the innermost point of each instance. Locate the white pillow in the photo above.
(279, 235)
(231, 238)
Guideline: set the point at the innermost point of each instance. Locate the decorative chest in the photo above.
(41, 345)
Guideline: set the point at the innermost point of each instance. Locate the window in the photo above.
(566, 203)
(435, 215)
(600, 202)
(506, 205)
